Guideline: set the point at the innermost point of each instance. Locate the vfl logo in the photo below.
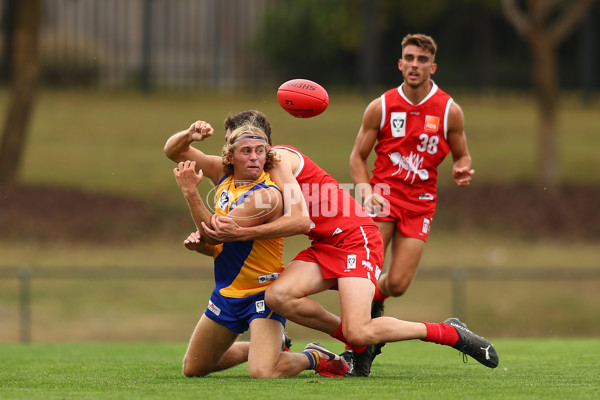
(426, 223)
(260, 306)
(351, 261)
(398, 124)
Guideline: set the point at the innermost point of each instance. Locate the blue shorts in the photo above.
(236, 314)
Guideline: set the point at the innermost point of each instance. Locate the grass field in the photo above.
(528, 369)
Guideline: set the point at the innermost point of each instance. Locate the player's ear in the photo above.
(400, 64)
(433, 68)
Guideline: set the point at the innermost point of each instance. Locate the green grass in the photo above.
(529, 369)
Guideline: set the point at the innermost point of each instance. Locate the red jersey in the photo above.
(332, 209)
(412, 142)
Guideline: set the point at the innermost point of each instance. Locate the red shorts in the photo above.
(409, 223)
(358, 254)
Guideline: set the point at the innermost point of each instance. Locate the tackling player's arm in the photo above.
(179, 148)
(294, 220)
(457, 140)
(262, 205)
(365, 140)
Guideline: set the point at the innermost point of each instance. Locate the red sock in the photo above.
(378, 295)
(441, 333)
(339, 335)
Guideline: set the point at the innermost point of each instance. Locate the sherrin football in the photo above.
(302, 98)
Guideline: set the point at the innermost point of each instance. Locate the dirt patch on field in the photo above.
(57, 214)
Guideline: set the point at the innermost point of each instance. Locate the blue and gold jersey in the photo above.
(244, 268)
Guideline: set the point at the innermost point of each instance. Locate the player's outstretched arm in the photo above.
(179, 148)
(188, 180)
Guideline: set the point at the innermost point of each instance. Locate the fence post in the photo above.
(25, 303)
(459, 278)
(146, 62)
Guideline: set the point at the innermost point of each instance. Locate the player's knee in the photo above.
(190, 370)
(262, 373)
(275, 298)
(358, 336)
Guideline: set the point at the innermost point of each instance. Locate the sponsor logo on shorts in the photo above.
(260, 306)
(351, 261)
(268, 277)
(425, 196)
(214, 309)
(337, 231)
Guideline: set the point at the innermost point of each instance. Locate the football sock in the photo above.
(339, 335)
(378, 295)
(441, 333)
(313, 359)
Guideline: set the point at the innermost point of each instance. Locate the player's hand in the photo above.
(223, 229)
(374, 204)
(463, 175)
(200, 130)
(193, 241)
(186, 176)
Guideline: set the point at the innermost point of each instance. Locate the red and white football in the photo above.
(303, 98)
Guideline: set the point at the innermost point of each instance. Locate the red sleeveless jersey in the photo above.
(332, 209)
(411, 143)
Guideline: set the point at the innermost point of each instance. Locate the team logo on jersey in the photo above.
(398, 124)
(260, 306)
(351, 261)
(432, 123)
(223, 200)
(211, 307)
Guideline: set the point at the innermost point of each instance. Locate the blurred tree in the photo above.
(25, 74)
(543, 25)
(24, 78)
(311, 38)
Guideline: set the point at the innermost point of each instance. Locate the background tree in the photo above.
(25, 73)
(544, 25)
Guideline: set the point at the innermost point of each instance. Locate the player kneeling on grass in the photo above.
(243, 270)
